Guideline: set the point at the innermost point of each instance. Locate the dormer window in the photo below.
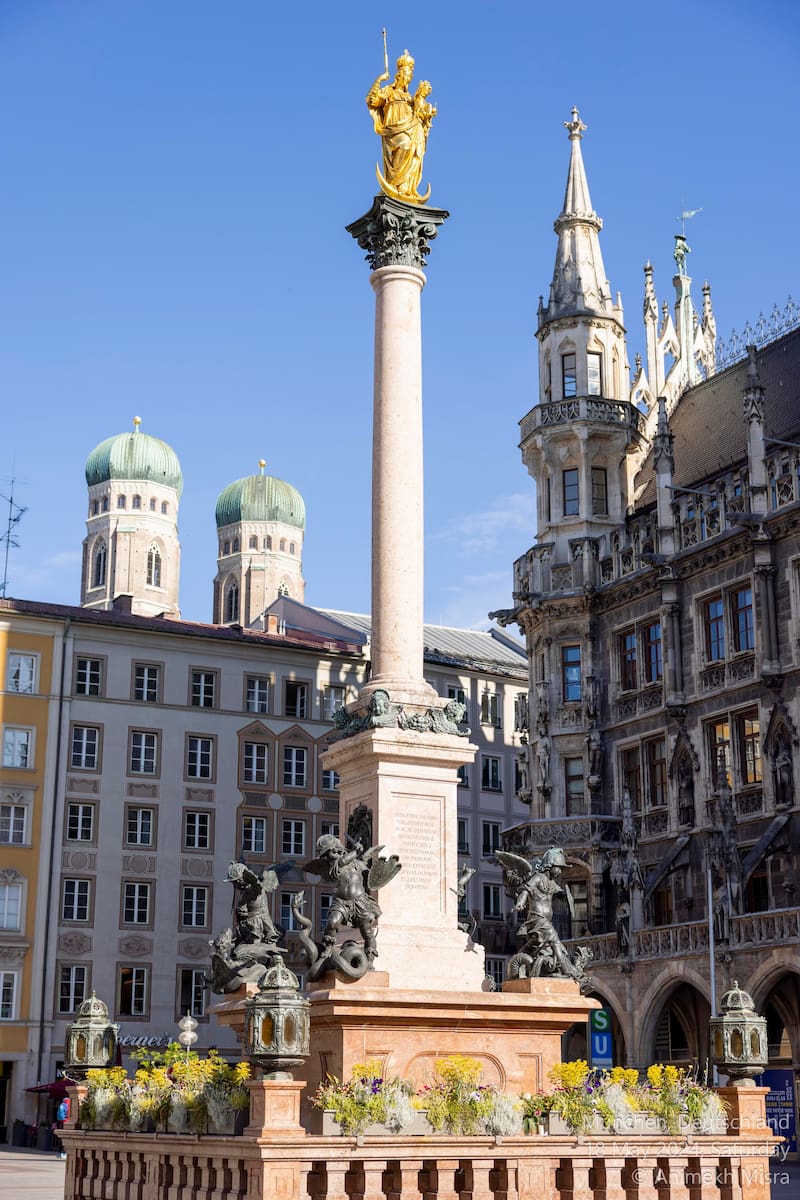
(569, 377)
(594, 371)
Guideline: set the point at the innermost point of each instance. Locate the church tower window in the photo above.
(571, 491)
(599, 492)
(253, 543)
(235, 545)
(164, 507)
(105, 503)
(267, 542)
(594, 369)
(569, 377)
(232, 602)
(154, 567)
(99, 565)
(153, 504)
(136, 502)
(120, 501)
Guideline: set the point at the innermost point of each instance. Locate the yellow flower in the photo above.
(570, 1075)
(655, 1075)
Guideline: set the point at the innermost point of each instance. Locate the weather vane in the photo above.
(686, 214)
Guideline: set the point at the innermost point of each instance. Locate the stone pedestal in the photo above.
(746, 1111)
(516, 1033)
(408, 780)
(274, 1109)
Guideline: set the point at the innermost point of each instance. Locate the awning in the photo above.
(56, 1090)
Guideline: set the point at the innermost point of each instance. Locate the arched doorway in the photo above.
(781, 1007)
(575, 1042)
(679, 1031)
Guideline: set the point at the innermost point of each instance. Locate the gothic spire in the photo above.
(579, 279)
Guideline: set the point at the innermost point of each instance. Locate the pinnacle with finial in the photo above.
(576, 126)
(262, 462)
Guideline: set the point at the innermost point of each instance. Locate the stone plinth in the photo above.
(274, 1109)
(408, 780)
(515, 1033)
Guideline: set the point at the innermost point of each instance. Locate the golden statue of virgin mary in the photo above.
(402, 121)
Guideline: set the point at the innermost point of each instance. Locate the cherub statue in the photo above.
(354, 873)
(241, 955)
(533, 886)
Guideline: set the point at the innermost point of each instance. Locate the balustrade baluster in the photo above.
(581, 1184)
(441, 1179)
(730, 1180)
(371, 1179)
(335, 1187)
(506, 1187)
(477, 1172)
(614, 1188)
(671, 1174)
(644, 1177)
(708, 1188)
(405, 1179)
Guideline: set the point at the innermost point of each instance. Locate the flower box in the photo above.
(330, 1127)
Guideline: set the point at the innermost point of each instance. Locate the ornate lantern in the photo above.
(739, 1038)
(276, 1023)
(90, 1040)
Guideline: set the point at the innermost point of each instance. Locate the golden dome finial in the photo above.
(262, 462)
(136, 423)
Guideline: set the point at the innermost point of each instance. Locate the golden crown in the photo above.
(405, 60)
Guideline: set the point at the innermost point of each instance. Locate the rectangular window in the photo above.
(288, 919)
(136, 903)
(80, 822)
(490, 773)
(490, 709)
(330, 781)
(146, 682)
(88, 676)
(463, 776)
(714, 624)
(254, 835)
(632, 776)
(255, 764)
(599, 492)
(492, 903)
(571, 673)
(743, 625)
(12, 824)
(594, 371)
(325, 902)
(294, 766)
(293, 837)
(196, 830)
(8, 991)
(10, 904)
(577, 805)
(491, 837)
(204, 685)
(627, 661)
(194, 906)
(332, 698)
(144, 753)
(719, 750)
(71, 988)
(496, 970)
(295, 699)
(463, 835)
(653, 654)
(199, 758)
(330, 827)
(83, 755)
(191, 992)
(748, 732)
(139, 825)
(257, 694)
(21, 675)
(133, 984)
(657, 773)
(571, 492)
(17, 747)
(569, 377)
(75, 900)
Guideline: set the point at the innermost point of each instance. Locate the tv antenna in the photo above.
(15, 514)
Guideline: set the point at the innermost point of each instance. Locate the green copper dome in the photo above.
(260, 498)
(135, 456)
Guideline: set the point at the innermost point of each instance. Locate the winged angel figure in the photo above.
(242, 956)
(354, 873)
(533, 885)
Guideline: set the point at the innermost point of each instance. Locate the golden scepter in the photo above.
(385, 55)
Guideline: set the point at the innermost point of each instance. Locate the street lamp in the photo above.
(90, 1041)
(276, 1023)
(187, 1036)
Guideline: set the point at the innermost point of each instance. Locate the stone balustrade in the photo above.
(106, 1166)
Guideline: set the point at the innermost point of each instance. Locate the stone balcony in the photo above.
(776, 927)
(530, 837)
(582, 408)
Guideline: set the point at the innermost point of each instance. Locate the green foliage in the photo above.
(366, 1099)
(455, 1101)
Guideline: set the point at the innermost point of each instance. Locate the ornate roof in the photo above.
(260, 498)
(136, 456)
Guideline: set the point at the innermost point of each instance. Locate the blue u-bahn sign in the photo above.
(601, 1048)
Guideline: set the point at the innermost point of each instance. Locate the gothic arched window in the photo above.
(232, 601)
(235, 545)
(291, 547)
(283, 590)
(99, 562)
(154, 567)
(267, 542)
(253, 543)
(283, 545)
(120, 501)
(136, 502)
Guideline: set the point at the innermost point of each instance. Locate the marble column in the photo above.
(397, 239)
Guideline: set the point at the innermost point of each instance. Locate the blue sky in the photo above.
(175, 178)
